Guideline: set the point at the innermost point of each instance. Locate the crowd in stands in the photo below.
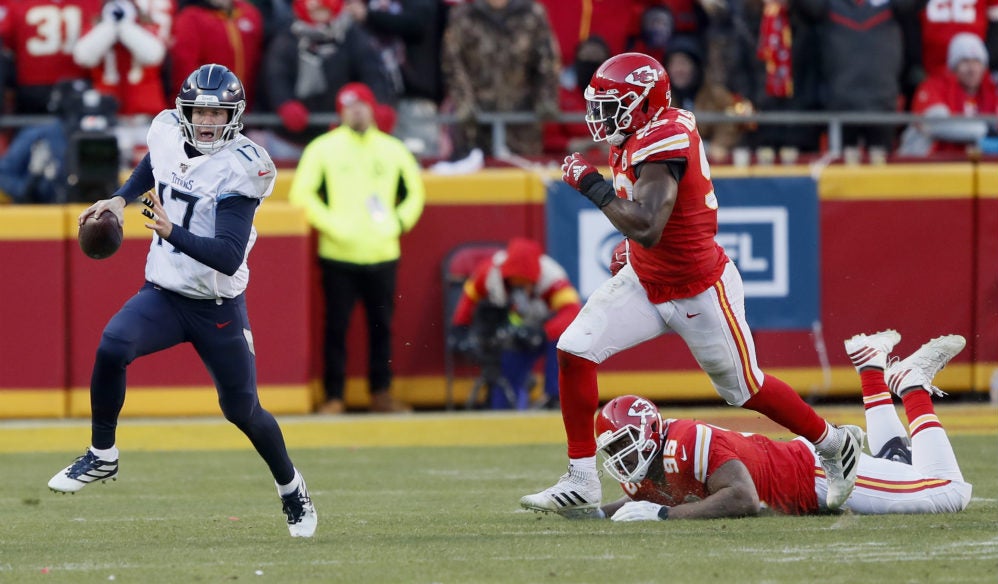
(463, 58)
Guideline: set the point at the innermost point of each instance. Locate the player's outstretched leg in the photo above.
(86, 469)
(577, 493)
(297, 504)
(911, 379)
(886, 434)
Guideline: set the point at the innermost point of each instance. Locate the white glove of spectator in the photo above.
(118, 10)
(637, 511)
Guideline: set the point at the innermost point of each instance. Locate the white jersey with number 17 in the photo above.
(190, 190)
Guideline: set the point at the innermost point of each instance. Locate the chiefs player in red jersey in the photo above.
(677, 279)
(686, 469)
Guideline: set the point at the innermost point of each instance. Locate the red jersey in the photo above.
(686, 261)
(41, 34)
(138, 89)
(944, 89)
(943, 19)
(201, 35)
(783, 472)
(574, 20)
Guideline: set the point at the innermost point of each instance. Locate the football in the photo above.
(100, 237)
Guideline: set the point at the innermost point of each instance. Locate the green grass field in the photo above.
(446, 514)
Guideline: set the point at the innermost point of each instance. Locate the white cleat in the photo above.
(919, 368)
(577, 494)
(85, 469)
(302, 518)
(872, 350)
(842, 466)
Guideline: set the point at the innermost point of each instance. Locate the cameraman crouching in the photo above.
(511, 313)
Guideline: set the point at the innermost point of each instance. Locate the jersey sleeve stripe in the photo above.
(701, 452)
(679, 142)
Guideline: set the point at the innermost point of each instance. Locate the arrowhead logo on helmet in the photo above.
(643, 76)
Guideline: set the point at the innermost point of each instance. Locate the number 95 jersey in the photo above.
(190, 190)
(686, 261)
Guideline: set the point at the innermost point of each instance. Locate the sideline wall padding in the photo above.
(913, 247)
(33, 314)
(985, 334)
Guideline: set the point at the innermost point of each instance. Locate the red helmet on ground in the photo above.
(629, 435)
(626, 93)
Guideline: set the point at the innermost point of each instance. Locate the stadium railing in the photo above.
(833, 122)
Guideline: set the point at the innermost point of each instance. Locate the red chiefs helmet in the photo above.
(629, 435)
(626, 93)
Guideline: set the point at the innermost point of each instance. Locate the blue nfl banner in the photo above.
(768, 226)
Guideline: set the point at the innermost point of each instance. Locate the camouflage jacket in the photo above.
(504, 60)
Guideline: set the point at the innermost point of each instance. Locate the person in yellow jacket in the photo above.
(361, 189)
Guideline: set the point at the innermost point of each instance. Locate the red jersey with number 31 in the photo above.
(686, 260)
(41, 34)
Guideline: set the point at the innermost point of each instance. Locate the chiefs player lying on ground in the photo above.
(685, 469)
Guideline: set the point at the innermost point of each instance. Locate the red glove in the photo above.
(294, 114)
(385, 117)
(583, 177)
(575, 169)
(619, 257)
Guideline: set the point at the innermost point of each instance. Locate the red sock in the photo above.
(920, 411)
(579, 400)
(781, 404)
(875, 391)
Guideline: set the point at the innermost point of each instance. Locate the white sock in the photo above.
(290, 487)
(587, 464)
(882, 425)
(109, 454)
(832, 441)
(932, 455)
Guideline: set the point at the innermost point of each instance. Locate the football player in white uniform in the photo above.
(207, 181)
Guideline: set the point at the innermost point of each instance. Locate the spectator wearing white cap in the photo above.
(963, 89)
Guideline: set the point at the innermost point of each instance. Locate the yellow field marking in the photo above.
(420, 429)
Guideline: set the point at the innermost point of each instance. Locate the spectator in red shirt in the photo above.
(614, 21)
(942, 20)
(963, 89)
(41, 35)
(564, 137)
(227, 32)
(124, 50)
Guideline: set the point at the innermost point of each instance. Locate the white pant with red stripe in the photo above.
(932, 483)
(619, 315)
